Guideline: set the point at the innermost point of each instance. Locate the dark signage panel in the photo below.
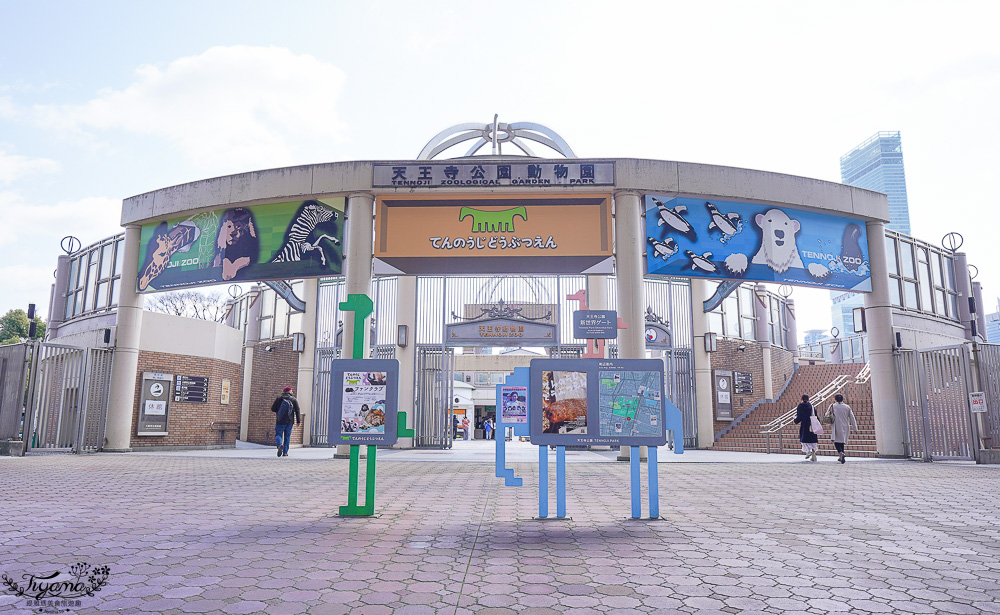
(595, 324)
(191, 389)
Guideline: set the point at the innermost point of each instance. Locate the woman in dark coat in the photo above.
(809, 440)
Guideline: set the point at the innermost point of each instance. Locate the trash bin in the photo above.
(480, 434)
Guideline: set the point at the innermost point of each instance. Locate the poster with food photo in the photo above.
(564, 402)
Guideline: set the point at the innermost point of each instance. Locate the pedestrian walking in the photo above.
(842, 418)
(809, 440)
(454, 427)
(286, 409)
(488, 426)
(465, 429)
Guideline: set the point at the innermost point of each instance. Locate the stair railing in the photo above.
(864, 375)
(778, 425)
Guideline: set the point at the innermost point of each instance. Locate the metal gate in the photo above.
(13, 363)
(988, 360)
(435, 388)
(68, 392)
(934, 386)
(679, 384)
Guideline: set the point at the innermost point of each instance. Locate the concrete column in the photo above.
(124, 372)
(57, 304)
(358, 270)
(630, 241)
(792, 331)
(964, 287)
(704, 414)
(307, 360)
(406, 314)
(597, 298)
(878, 313)
(977, 292)
(762, 331)
(252, 337)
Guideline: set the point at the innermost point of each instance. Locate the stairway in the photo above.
(745, 436)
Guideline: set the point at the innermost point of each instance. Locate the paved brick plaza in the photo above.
(185, 534)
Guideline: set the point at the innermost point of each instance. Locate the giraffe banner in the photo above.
(417, 234)
(275, 241)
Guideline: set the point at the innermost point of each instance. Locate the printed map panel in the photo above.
(630, 404)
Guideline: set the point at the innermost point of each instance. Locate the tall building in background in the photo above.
(876, 164)
(993, 326)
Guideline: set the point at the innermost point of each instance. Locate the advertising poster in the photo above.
(616, 402)
(514, 405)
(483, 234)
(363, 397)
(744, 241)
(276, 241)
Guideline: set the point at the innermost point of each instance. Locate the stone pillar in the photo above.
(704, 414)
(964, 287)
(57, 303)
(889, 427)
(124, 372)
(597, 298)
(406, 315)
(252, 337)
(792, 331)
(358, 271)
(977, 292)
(762, 331)
(307, 360)
(630, 241)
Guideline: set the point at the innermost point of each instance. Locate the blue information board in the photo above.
(595, 324)
(616, 402)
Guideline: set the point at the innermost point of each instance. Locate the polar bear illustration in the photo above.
(777, 244)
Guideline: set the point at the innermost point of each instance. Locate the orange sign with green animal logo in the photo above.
(498, 234)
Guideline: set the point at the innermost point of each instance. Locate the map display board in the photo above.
(616, 402)
(363, 398)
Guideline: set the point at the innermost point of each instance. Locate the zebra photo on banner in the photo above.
(270, 241)
(297, 242)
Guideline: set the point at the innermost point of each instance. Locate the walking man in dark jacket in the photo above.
(286, 409)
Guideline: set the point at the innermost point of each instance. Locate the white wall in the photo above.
(190, 336)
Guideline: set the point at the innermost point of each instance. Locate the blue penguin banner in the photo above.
(704, 238)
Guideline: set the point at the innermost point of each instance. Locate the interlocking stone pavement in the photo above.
(185, 534)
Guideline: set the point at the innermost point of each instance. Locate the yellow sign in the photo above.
(493, 234)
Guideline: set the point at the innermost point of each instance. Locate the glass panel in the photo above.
(890, 255)
(894, 296)
(78, 303)
(954, 306)
(938, 265)
(731, 317)
(748, 329)
(482, 378)
(70, 298)
(459, 376)
(119, 255)
(715, 322)
(102, 295)
(265, 328)
(106, 260)
(910, 295)
(949, 274)
(115, 284)
(267, 303)
(498, 377)
(74, 273)
(939, 304)
(906, 258)
(295, 323)
(281, 322)
(925, 285)
(746, 301)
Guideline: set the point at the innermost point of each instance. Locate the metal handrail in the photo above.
(778, 424)
(864, 375)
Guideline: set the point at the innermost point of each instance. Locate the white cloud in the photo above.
(228, 108)
(13, 167)
(28, 228)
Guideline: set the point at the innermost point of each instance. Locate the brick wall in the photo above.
(272, 371)
(189, 424)
(751, 359)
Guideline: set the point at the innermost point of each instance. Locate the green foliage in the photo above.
(14, 327)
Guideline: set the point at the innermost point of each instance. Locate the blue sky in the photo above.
(100, 101)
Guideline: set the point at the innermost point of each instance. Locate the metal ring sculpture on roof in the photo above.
(496, 134)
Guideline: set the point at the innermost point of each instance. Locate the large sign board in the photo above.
(276, 241)
(501, 332)
(695, 237)
(523, 174)
(419, 234)
(616, 402)
(595, 324)
(154, 404)
(363, 397)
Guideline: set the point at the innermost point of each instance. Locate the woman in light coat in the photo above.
(843, 419)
